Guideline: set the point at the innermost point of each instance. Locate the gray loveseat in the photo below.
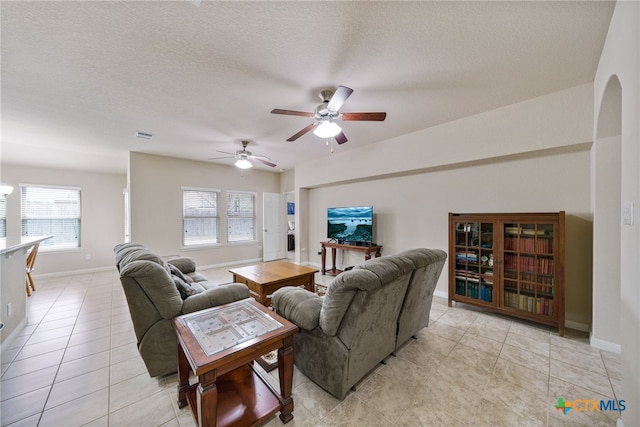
(158, 290)
(367, 314)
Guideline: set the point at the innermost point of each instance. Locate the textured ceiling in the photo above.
(79, 78)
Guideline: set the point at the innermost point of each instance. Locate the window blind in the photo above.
(199, 217)
(51, 211)
(241, 217)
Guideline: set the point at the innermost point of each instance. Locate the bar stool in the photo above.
(31, 261)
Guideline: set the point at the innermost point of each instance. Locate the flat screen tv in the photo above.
(350, 225)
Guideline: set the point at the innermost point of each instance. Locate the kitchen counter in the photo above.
(13, 296)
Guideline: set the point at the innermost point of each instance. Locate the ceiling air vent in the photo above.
(144, 135)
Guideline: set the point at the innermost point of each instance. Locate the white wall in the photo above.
(155, 188)
(621, 58)
(605, 175)
(412, 211)
(102, 223)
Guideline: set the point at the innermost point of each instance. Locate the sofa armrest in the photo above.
(223, 294)
(298, 305)
(184, 264)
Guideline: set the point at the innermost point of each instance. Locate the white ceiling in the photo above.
(79, 78)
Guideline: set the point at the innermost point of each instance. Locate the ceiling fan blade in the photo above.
(372, 117)
(339, 97)
(226, 152)
(302, 132)
(263, 160)
(218, 158)
(291, 113)
(341, 138)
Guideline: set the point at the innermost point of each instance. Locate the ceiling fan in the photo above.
(327, 113)
(244, 157)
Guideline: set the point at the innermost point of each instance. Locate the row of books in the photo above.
(528, 244)
(538, 305)
(529, 264)
(467, 256)
(528, 287)
(528, 277)
(474, 290)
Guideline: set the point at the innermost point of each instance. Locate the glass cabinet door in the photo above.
(474, 260)
(529, 267)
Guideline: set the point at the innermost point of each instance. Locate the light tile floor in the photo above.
(76, 364)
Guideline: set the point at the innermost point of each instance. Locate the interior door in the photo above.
(274, 233)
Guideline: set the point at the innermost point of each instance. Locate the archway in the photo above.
(607, 213)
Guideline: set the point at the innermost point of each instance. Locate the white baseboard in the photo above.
(73, 272)
(229, 264)
(13, 335)
(605, 345)
(576, 325)
(441, 294)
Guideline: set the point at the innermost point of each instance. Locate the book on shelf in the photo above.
(529, 303)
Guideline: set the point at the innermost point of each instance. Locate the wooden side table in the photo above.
(219, 345)
(367, 249)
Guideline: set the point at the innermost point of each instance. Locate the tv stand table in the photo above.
(367, 249)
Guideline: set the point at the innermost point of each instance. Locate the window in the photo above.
(127, 227)
(241, 217)
(3, 215)
(199, 217)
(51, 211)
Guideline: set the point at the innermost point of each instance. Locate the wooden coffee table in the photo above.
(266, 278)
(219, 345)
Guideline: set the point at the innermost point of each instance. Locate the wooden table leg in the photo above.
(207, 398)
(333, 259)
(311, 283)
(285, 372)
(323, 255)
(183, 377)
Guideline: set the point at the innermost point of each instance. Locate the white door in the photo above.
(274, 233)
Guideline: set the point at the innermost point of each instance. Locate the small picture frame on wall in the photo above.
(291, 208)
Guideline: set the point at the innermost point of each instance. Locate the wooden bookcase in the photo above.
(511, 263)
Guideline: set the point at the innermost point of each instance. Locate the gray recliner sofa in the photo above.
(367, 313)
(158, 290)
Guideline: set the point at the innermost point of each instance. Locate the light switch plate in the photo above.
(627, 214)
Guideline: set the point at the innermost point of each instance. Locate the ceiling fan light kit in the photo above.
(327, 129)
(243, 164)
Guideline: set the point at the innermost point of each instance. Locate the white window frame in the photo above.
(234, 213)
(3, 215)
(62, 210)
(206, 240)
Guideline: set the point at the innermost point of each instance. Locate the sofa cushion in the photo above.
(184, 264)
(175, 271)
(185, 288)
(298, 305)
(123, 249)
(387, 268)
(141, 254)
